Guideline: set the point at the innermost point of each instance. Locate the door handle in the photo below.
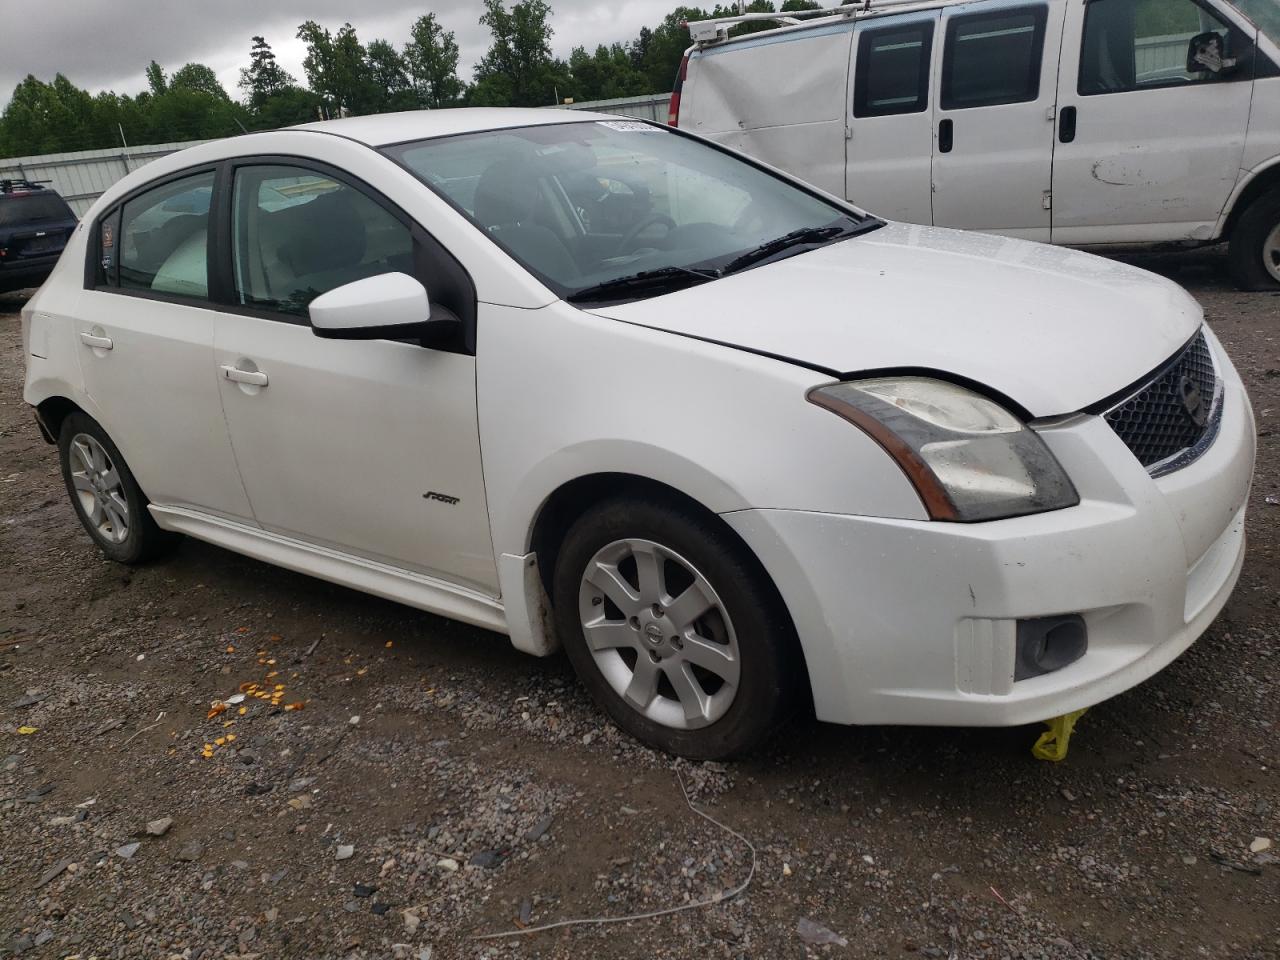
(254, 378)
(946, 136)
(1067, 125)
(101, 343)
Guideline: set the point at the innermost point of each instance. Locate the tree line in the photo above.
(344, 76)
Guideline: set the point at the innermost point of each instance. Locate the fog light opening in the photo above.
(1047, 644)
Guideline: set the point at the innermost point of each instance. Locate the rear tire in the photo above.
(675, 629)
(105, 496)
(1255, 245)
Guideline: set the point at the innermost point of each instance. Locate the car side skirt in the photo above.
(368, 576)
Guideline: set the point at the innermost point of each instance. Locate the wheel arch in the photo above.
(1258, 184)
(573, 498)
(51, 412)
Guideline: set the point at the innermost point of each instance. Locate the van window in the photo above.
(163, 240)
(298, 234)
(993, 58)
(893, 70)
(1140, 44)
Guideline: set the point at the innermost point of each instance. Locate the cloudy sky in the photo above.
(107, 45)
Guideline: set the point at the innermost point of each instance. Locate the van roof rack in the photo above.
(716, 30)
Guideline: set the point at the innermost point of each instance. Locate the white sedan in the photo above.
(737, 446)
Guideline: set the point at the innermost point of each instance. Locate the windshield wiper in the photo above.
(659, 280)
(796, 238)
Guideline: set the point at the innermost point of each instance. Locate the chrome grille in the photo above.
(1157, 423)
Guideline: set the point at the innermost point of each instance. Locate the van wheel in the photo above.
(105, 495)
(674, 629)
(1255, 245)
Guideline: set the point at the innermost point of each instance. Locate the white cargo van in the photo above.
(1080, 122)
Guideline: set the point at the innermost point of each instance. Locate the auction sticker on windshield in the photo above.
(629, 126)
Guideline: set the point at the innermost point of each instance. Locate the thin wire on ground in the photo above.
(721, 897)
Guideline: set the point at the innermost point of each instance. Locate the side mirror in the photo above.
(1208, 52)
(390, 306)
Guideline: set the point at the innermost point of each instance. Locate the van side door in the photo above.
(993, 116)
(1154, 103)
(889, 162)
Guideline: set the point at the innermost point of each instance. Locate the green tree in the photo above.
(389, 72)
(47, 118)
(518, 69)
(666, 46)
(285, 108)
(432, 59)
(264, 77)
(609, 72)
(198, 78)
(337, 68)
(156, 81)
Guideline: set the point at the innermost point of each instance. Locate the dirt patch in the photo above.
(478, 785)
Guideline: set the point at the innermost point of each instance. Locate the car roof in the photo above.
(378, 130)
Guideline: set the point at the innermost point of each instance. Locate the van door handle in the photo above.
(100, 343)
(254, 378)
(946, 136)
(1067, 124)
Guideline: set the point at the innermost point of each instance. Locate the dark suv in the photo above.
(35, 224)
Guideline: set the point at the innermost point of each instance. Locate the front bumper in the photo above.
(913, 622)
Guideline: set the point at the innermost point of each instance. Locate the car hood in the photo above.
(1054, 330)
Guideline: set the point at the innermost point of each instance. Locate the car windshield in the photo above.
(615, 210)
(33, 208)
(1264, 13)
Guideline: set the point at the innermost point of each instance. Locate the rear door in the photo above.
(145, 332)
(890, 150)
(1147, 149)
(993, 118)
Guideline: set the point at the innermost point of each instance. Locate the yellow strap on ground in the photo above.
(1053, 743)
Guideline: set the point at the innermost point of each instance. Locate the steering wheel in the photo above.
(631, 235)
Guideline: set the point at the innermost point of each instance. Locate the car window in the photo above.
(582, 203)
(993, 58)
(1136, 44)
(33, 208)
(892, 75)
(298, 234)
(164, 237)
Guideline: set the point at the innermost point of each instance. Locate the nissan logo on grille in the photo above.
(1193, 401)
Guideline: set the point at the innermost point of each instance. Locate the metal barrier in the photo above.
(650, 107)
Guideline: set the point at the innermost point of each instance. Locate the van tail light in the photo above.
(673, 111)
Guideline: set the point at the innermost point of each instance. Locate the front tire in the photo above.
(674, 629)
(105, 496)
(1255, 245)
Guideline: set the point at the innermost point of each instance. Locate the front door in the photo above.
(1149, 149)
(993, 118)
(370, 447)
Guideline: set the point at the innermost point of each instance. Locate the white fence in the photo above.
(1154, 55)
(84, 176)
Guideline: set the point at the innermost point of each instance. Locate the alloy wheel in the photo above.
(659, 634)
(1271, 253)
(99, 489)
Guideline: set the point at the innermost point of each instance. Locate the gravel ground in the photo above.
(435, 785)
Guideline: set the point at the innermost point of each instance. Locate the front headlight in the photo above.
(968, 458)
